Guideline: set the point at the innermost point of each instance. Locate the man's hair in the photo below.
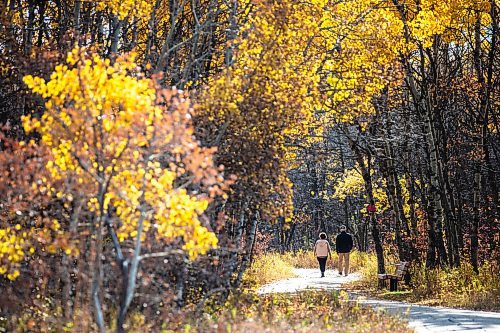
(322, 235)
(343, 228)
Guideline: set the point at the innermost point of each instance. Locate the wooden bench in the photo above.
(399, 275)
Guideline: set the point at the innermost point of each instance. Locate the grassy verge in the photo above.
(309, 311)
(452, 287)
(266, 269)
(245, 311)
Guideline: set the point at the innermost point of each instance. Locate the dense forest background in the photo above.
(151, 148)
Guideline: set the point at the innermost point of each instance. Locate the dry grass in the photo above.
(304, 312)
(306, 259)
(458, 287)
(273, 266)
(267, 268)
(301, 259)
(453, 287)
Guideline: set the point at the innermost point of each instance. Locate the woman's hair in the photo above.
(322, 235)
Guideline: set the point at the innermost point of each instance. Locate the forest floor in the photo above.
(422, 319)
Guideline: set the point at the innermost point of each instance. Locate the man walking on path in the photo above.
(322, 252)
(343, 245)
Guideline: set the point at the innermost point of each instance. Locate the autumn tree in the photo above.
(130, 146)
(264, 99)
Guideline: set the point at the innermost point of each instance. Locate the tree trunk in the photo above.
(395, 203)
(289, 236)
(232, 32)
(76, 16)
(365, 171)
(474, 241)
(115, 38)
(28, 34)
(251, 232)
(97, 266)
(436, 212)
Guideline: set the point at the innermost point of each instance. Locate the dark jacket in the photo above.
(343, 243)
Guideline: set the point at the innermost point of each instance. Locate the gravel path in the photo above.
(424, 319)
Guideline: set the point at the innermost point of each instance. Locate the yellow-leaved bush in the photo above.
(352, 184)
(130, 146)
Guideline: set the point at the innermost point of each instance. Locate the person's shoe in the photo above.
(322, 274)
(340, 273)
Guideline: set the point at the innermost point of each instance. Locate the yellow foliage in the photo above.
(366, 40)
(268, 96)
(13, 248)
(105, 128)
(139, 9)
(352, 184)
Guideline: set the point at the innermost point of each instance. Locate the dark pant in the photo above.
(322, 263)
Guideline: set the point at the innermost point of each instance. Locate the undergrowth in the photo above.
(267, 268)
(246, 311)
(308, 311)
(457, 287)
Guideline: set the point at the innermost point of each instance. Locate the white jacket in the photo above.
(322, 248)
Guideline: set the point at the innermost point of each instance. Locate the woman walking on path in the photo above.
(322, 252)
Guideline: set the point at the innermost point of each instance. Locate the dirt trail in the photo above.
(424, 319)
